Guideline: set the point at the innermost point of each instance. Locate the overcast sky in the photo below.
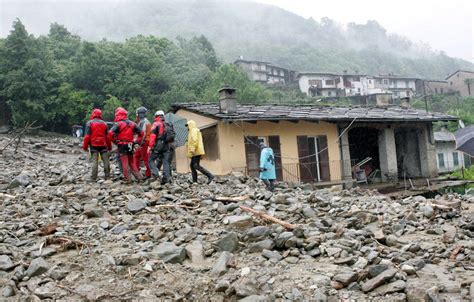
(444, 24)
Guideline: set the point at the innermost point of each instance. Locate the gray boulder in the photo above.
(37, 267)
(6, 263)
(136, 205)
(169, 253)
(228, 243)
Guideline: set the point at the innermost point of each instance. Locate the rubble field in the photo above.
(64, 238)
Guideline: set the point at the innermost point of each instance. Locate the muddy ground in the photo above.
(65, 238)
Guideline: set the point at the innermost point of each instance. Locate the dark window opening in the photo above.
(408, 152)
(364, 143)
(455, 159)
(211, 142)
(441, 160)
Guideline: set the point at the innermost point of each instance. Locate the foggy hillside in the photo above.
(251, 30)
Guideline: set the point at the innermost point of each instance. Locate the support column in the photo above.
(428, 165)
(388, 155)
(346, 168)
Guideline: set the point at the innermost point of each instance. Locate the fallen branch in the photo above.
(177, 206)
(264, 216)
(442, 206)
(230, 199)
(67, 243)
(455, 252)
(17, 138)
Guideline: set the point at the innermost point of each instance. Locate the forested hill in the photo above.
(251, 30)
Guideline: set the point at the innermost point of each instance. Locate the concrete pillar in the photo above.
(388, 155)
(427, 148)
(346, 168)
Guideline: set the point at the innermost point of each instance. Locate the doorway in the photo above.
(364, 146)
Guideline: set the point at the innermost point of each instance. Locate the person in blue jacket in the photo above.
(267, 166)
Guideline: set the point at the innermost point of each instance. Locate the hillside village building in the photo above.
(316, 84)
(266, 73)
(448, 158)
(314, 143)
(329, 84)
(427, 87)
(462, 81)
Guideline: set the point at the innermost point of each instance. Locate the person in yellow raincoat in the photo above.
(195, 147)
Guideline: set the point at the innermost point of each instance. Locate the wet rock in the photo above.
(223, 263)
(450, 233)
(136, 205)
(282, 239)
(37, 267)
(169, 252)
(254, 298)
(314, 252)
(333, 251)
(427, 211)
(410, 270)
(6, 263)
(392, 287)
(93, 210)
(49, 290)
(271, 255)
(375, 270)
(259, 246)
(319, 296)
(257, 233)
(22, 180)
(222, 285)
(228, 243)
(361, 263)
(392, 240)
(379, 280)
(245, 286)
(346, 278)
(308, 212)
(195, 252)
(239, 222)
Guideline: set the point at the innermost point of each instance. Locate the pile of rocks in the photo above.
(64, 238)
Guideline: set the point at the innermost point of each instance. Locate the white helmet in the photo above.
(160, 113)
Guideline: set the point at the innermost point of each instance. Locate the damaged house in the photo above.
(314, 143)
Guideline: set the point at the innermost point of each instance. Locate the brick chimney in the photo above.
(405, 102)
(227, 101)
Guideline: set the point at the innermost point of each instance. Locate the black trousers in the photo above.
(156, 160)
(196, 166)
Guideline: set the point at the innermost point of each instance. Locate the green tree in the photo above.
(110, 104)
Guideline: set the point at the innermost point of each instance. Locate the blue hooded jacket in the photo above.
(267, 161)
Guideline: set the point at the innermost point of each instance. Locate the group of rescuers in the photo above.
(153, 145)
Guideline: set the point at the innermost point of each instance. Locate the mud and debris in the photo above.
(64, 238)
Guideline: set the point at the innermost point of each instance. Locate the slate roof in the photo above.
(444, 136)
(316, 113)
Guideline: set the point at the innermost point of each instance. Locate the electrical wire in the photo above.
(292, 158)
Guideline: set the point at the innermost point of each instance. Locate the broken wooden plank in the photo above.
(264, 216)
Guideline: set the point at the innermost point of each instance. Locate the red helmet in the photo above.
(96, 113)
(120, 114)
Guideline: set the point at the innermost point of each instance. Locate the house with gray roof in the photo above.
(314, 143)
